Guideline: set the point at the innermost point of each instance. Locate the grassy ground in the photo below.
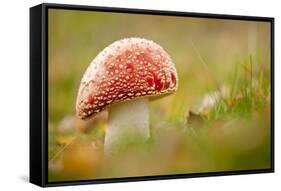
(218, 120)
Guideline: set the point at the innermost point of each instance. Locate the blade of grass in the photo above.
(62, 150)
(205, 64)
(208, 70)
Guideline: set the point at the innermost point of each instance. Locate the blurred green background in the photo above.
(218, 120)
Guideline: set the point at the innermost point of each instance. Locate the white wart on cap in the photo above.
(125, 70)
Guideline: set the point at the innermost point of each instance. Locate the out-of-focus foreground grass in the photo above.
(218, 120)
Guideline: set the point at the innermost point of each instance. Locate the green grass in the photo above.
(248, 93)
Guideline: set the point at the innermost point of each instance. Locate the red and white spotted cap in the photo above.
(125, 70)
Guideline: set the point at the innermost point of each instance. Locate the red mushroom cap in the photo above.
(127, 69)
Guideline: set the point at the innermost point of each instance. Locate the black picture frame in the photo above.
(39, 92)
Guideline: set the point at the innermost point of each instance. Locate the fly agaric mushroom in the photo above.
(123, 78)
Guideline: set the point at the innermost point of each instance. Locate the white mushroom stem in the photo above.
(128, 123)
